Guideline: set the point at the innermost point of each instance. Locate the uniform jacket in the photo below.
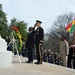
(39, 35)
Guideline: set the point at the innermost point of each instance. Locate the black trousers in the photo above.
(70, 58)
(39, 52)
(30, 53)
(74, 62)
(69, 61)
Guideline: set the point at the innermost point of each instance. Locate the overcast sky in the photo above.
(32, 10)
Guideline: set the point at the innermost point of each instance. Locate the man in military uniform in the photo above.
(39, 35)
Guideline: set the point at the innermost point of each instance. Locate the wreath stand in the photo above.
(14, 43)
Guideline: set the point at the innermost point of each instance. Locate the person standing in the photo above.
(23, 49)
(71, 57)
(30, 45)
(39, 36)
(7, 40)
(64, 50)
(9, 48)
(74, 57)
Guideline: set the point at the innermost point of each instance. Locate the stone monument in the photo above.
(5, 56)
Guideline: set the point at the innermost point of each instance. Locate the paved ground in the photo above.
(32, 69)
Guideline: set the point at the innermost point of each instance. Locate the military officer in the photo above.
(39, 35)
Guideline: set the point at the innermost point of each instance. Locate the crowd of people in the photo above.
(47, 56)
(51, 57)
(54, 58)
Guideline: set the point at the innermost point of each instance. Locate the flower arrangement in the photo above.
(18, 37)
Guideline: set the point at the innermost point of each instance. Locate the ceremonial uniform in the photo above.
(39, 35)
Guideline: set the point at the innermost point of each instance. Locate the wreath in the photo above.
(18, 37)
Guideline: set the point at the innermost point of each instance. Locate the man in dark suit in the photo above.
(30, 45)
(39, 35)
(71, 57)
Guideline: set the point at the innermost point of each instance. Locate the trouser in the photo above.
(64, 60)
(69, 61)
(74, 62)
(39, 49)
(30, 54)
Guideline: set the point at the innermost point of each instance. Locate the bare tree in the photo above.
(58, 29)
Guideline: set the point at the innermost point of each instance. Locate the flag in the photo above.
(70, 28)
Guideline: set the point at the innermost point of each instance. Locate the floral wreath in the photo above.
(18, 35)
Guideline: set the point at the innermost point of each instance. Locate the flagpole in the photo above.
(74, 33)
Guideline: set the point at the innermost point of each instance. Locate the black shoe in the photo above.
(40, 63)
(31, 62)
(36, 62)
(27, 61)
